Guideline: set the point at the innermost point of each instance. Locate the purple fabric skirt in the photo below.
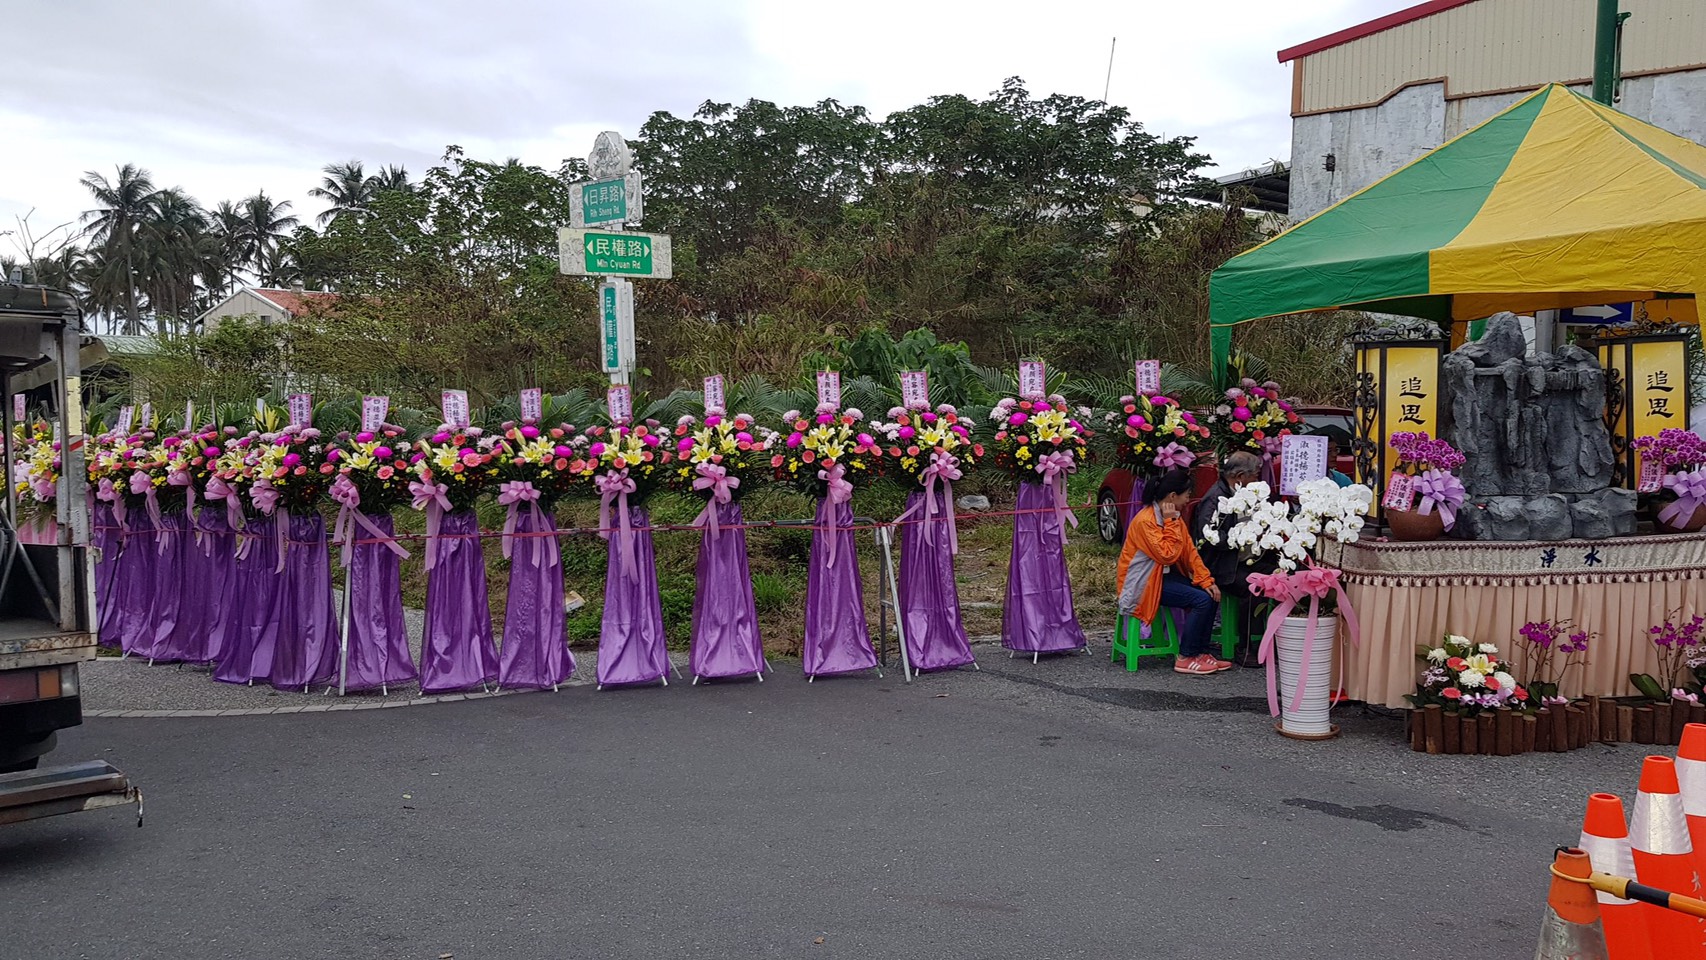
(379, 652)
(837, 639)
(457, 652)
(252, 631)
(1038, 616)
(631, 642)
(536, 645)
(169, 641)
(308, 634)
(929, 597)
(133, 584)
(209, 569)
(725, 621)
(104, 536)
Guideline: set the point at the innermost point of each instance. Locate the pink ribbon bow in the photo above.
(840, 490)
(1690, 490)
(1174, 455)
(106, 491)
(944, 467)
(715, 478)
(431, 498)
(143, 485)
(614, 488)
(513, 494)
(218, 489)
(348, 497)
(1287, 591)
(181, 477)
(1442, 490)
(1054, 467)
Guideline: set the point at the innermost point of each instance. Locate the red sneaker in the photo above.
(1200, 665)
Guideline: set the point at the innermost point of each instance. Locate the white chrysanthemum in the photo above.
(1506, 681)
(1488, 648)
(1438, 655)
(1471, 679)
(1461, 641)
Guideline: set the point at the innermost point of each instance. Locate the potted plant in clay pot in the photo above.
(1423, 496)
(1671, 465)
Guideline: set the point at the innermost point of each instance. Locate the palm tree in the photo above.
(228, 227)
(347, 187)
(391, 178)
(175, 245)
(264, 222)
(123, 203)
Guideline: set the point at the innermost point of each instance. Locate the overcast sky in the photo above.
(223, 98)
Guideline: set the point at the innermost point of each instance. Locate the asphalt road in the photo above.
(1064, 810)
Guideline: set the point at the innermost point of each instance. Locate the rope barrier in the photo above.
(800, 524)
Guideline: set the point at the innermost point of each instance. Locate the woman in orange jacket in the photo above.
(1159, 567)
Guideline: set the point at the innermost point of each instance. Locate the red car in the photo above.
(1115, 504)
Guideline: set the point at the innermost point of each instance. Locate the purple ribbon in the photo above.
(431, 498)
(1442, 490)
(218, 489)
(1174, 455)
(840, 491)
(513, 494)
(348, 496)
(614, 488)
(143, 484)
(715, 478)
(1054, 467)
(1690, 489)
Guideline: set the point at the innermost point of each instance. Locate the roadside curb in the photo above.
(336, 706)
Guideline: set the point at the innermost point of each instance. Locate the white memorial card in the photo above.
(915, 390)
(1033, 379)
(532, 405)
(829, 388)
(620, 400)
(301, 409)
(454, 405)
(1302, 459)
(714, 398)
(373, 411)
(1148, 377)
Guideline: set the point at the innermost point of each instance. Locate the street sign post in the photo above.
(597, 253)
(616, 201)
(616, 324)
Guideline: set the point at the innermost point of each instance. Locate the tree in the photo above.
(347, 187)
(264, 223)
(123, 203)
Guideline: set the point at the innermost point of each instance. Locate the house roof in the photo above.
(293, 302)
(1397, 19)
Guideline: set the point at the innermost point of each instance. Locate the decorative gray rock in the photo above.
(973, 504)
(1502, 340)
(1548, 518)
(1504, 519)
(1589, 521)
(1618, 505)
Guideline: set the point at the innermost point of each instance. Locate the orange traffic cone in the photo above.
(1658, 838)
(1570, 930)
(1605, 837)
(1691, 776)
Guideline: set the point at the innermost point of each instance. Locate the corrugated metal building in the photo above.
(1369, 99)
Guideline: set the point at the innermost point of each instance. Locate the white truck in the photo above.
(47, 622)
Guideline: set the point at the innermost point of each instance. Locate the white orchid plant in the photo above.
(1292, 536)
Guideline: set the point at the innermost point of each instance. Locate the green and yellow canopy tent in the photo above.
(1556, 202)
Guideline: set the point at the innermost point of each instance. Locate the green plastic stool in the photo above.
(1227, 634)
(1130, 643)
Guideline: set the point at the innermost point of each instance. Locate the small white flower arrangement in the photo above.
(1325, 511)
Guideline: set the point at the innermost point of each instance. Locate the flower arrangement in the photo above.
(543, 458)
(720, 458)
(1467, 677)
(190, 461)
(1680, 456)
(1252, 417)
(828, 454)
(35, 474)
(1324, 511)
(1431, 462)
(290, 470)
(1679, 642)
(1038, 440)
(375, 463)
(1158, 433)
(632, 455)
(925, 445)
(1544, 642)
(452, 466)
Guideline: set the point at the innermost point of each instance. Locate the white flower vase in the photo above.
(1305, 717)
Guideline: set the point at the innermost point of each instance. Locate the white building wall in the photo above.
(1370, 142)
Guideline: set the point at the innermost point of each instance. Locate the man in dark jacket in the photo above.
(1222, 561)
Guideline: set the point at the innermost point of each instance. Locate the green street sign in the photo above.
(608, 323)
(604, 201)
(594, 253)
